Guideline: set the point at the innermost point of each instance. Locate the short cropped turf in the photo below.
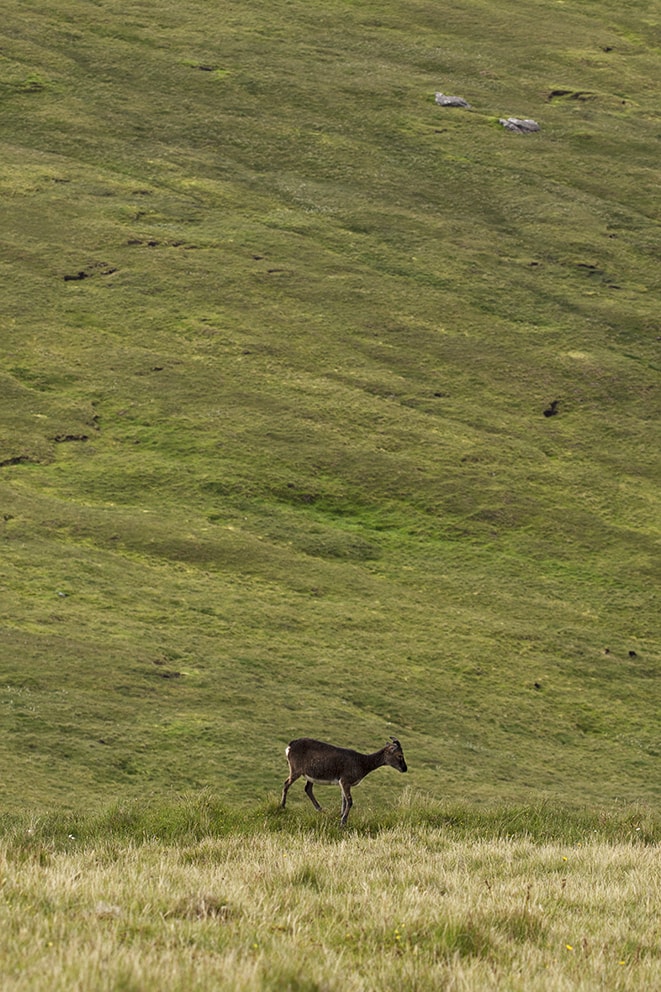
(326, 410)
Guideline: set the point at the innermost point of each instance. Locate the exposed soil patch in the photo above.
(18, 460)
(571, 95)
(96, 268)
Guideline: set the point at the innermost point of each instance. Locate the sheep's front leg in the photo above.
(347, 802)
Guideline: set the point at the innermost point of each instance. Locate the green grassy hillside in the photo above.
(278, 333)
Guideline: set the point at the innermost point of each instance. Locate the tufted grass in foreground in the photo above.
(195, 816)
(291, 902)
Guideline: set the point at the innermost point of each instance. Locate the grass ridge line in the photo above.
(190, 818)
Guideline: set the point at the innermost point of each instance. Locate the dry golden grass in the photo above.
(413, 908)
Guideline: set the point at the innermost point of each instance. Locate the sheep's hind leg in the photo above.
(313, 798)
(290, 781)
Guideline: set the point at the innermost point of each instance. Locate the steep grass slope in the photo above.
(278, 336)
